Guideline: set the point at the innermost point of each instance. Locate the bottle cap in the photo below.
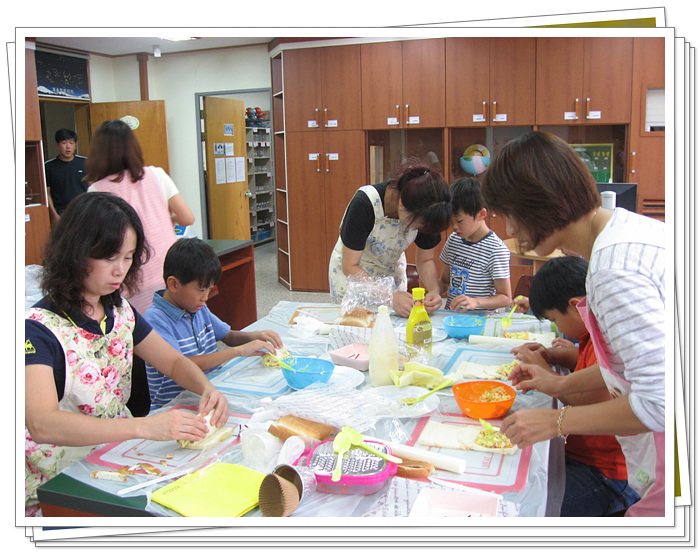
(418, 293)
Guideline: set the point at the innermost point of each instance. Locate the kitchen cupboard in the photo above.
(323, 88)
(490, 81)
(582, 80)
(646, 147)
(324, 170)
(403, 84)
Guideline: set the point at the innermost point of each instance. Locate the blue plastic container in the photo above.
(461, 326)
(307, 370)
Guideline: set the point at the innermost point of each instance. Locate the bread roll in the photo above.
(358, 316)
(289, 426)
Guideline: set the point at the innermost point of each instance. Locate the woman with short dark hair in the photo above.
(550, 201)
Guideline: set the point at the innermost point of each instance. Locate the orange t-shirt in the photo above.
(603, 452)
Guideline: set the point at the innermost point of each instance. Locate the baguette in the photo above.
(291, 426)
(109, 475)
(414, 469)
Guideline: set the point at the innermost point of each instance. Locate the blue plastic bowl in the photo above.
(307, 370)
(461, 326)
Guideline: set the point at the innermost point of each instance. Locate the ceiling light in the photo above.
(178, 38)
(156, 51)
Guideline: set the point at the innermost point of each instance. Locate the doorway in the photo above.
(258, 158)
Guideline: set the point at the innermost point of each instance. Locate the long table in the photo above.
(535, 486)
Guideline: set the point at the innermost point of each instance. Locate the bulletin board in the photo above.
(62, 76)
(598, 158)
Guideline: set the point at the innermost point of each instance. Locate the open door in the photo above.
(226, 168)
(147, 120)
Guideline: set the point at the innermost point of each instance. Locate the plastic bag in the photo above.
(368, 293)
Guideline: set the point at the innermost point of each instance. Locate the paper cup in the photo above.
(302, 477)
(277, 496)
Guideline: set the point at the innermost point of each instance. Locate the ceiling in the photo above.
(117, 46)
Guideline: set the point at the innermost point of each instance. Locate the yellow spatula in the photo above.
(505, 323)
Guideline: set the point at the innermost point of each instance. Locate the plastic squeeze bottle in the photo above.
(419, 329)
(383, 350)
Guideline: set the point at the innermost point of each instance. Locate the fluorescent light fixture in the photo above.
(178, 38)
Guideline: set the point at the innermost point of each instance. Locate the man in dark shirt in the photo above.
(64, 173)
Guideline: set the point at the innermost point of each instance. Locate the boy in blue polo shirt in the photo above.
(180, 316)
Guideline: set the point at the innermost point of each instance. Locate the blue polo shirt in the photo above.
(191, 334)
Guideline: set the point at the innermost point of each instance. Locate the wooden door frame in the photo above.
(198, 104)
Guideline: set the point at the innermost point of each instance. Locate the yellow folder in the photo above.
(219, 490)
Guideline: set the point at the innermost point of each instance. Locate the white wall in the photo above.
(176, 78)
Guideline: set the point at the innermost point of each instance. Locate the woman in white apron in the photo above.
(380, 223)
(550, 201)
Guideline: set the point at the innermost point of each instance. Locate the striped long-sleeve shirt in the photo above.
(626, 293)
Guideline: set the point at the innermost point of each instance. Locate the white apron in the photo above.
(383, 254)
(645, 452)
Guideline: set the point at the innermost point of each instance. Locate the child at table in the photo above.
(477, 262)
(596, 475)
(80, 339)
(180, 315)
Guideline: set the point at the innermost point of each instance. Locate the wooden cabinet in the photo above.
(324, 170)
(584, 80)
(403, 84)
(322, 88)
(645, 163)
(37, 224)
(490, 81)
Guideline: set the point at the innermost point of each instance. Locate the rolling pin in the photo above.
(440, 461)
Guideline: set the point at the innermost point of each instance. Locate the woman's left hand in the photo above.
(527, 427)
(213, 399)
(402, 303)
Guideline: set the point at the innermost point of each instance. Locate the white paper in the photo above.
(229, 148)
(220, 170)
(231, 175)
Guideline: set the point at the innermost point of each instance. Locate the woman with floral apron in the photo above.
(80, 339)
(378, 226)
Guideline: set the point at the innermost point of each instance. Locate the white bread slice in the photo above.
(289, 426)
(215, 435)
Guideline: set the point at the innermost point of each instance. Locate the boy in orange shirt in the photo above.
(596, 476)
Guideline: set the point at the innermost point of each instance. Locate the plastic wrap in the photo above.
(368, 293)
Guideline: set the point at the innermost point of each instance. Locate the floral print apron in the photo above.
(645, 452)
(98, 383)
(383, 254)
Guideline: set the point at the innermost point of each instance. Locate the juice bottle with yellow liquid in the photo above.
(419, 330)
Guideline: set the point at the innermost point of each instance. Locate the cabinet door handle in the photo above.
(408, 117)
(576, 106)
(317, 117)
(588, 107)
(325, 117)
(328, 164)
(484, 110)
(633, 163)
(493, 113)
(398, 112)
(318, 162)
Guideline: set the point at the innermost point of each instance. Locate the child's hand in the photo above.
(432, 302)
(521, 304)
(270, 336)
(562, 342)
(463, 303)
(257, 347)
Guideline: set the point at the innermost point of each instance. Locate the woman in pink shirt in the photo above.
(116, 165)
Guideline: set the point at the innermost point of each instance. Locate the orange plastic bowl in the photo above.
(468, 396)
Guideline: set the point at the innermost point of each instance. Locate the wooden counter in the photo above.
(537, 260)
(233, 299)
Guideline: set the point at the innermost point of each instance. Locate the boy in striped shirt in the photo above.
(477, 262)
(180, 315)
